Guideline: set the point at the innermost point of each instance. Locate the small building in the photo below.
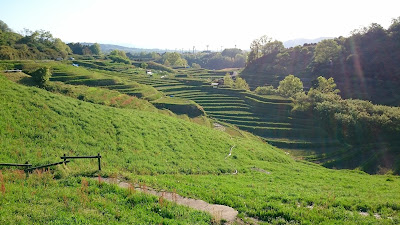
(148, 72)
(59, 59)
(12, 71)
(215, 85)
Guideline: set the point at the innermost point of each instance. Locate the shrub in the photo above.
(228, 82)
(196, 66)
(266, 90)
(241, 84)
(144, 65)
(41, 75)
(117, 58)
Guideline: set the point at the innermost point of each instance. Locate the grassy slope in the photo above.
(170, 153)
(34, 120)
(40, 199)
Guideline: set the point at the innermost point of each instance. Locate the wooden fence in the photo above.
(29, 168)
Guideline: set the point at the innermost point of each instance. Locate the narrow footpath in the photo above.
(219, 212)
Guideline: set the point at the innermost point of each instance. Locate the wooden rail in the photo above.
(65, 161)
(15, 164)
(48, 165)
(98, 156)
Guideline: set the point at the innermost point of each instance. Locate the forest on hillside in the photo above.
(364, 65)
(38, 44)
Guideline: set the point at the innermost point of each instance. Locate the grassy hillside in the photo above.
(35, 120)
(165, 152)
(40, 199)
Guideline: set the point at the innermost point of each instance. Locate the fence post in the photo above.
(98, 158)
(65, 159)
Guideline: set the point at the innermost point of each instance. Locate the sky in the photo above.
(182, 24)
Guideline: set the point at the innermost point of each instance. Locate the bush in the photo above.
(196, 66)
(41, 75)
(119, 59)
(266, 90)
(241, 84)
(290, 86)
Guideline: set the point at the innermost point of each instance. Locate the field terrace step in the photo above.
(225, 101)
(281, 132)
(118, 86)
(216, 98)
(66, 78)
(268, 98)
(159, 85)
(223, 104)
(258, 123)
(303, 143)
(210, 109)
(188, 93)
(176, 88)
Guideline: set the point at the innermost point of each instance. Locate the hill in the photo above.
(258, 180)
(302, 41)
(107, 48)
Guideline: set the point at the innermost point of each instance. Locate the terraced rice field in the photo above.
(266, 116)
(269, 118)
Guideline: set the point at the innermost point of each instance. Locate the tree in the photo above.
(86, 51)
(263, 46)
(4, 27)
(272, 47)
(41, 75)
(240, 83)
(119, 53)
(196, 66)
(167, 63)
(95, 48)
(62, 48)
(144, 65)
(290, 86)
(325, 85)
(326, 51)
(77, 48)
(231, 52)
(174, 59)
(180, 63)
(228, 80)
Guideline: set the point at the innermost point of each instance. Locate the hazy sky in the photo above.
(177, 24)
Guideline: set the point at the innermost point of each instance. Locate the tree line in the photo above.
(228, 58)
(364, 65)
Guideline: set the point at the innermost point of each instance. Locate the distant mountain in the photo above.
(106, 48)
(301, 41)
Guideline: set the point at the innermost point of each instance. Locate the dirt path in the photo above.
(217, 211)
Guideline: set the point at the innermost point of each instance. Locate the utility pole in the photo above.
(207, 48)
(193, 49)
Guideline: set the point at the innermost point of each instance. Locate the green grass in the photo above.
(34, 119)
(170, 153)
(41, 199)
